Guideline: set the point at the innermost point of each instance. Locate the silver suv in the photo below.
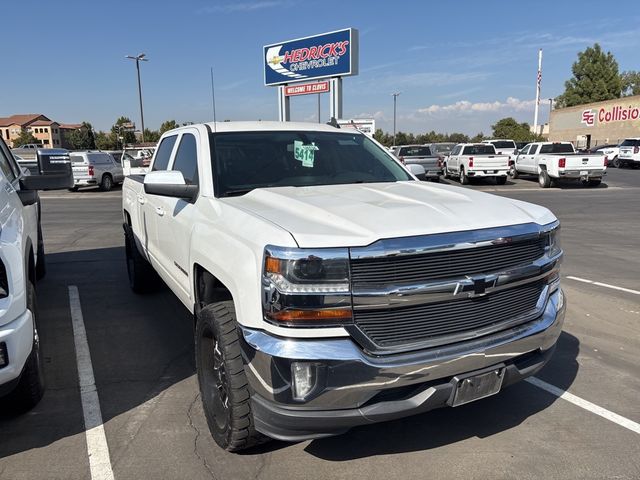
(95, 169)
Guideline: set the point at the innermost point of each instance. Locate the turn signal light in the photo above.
(562, 162)
(295, 316)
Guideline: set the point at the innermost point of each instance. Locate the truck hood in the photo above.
(358, 215)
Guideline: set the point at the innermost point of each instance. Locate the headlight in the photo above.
(555, 246)
(308, 287)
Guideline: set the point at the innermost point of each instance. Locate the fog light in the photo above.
(4, 356)
(303, 379)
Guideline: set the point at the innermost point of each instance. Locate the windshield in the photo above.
(247, 160)
(76, 158)
(443, 147)
(631, 142)
(504, 144)
(480, 149)
(557, 148)
(415, 151)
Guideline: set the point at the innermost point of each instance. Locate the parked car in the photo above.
(421, 155)
(630, 152)
(328, 287)
(473, 160)
(551, 161)
(610, 152)
(95, 169)
(22, 263)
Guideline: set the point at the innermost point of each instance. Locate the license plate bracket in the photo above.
(476, 385)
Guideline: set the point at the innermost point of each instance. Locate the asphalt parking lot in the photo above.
(142, 353)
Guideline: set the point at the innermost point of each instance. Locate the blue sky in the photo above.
(459, 65)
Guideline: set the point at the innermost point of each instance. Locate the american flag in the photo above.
(538, 84)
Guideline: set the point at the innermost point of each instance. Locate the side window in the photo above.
(164, 153)
(186, 160)
(525, 150)
(6, 163)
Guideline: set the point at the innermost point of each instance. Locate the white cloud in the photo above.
(379, 115)
(511, 104)
(243, 6)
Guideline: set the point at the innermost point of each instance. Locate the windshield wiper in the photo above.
(238, 192)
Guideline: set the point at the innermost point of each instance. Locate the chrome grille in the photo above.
(390, 327)
(408, 269)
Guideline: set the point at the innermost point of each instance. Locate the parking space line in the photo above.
(606, 285)
(97, 448)
(580, 402)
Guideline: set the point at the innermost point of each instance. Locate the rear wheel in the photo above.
(107, 183)
(543, 179)
(464, 180)
(501, 180)
(615, 163)
(41, 266)
(224, 389)
(445, 172)
(592, 183)
(30, 388)
(142, 276)
(513, 173)
(73, 189)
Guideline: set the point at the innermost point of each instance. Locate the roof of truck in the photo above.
(260, 126)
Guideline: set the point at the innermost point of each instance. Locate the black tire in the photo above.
(224, 389)
(107, 183)
(464, 180)
(543, 179)
(593, 183)
(73, 189)
(513, 173)
(41, 265)
(615, 163)
(501, 180)
(30, 387)
(142, 277)
(445, 172)
(436, 179)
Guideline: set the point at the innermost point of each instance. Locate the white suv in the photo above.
(21, 264)
(630, 152)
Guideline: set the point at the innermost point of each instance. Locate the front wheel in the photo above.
(445, 172)
(615, 163)
(543, 179)
(224, 389)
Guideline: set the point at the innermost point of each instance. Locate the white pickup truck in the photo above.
(552, 161)
(630, 152)
(21, 264)
(473, 160)
(329, 288)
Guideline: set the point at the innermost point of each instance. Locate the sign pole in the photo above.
(538, 82)
(284, 105)
(336, 98)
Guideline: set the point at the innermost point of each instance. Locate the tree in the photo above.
(151, 135)
(630, 83)
(478, 138)
(595, 78)
(168, 125)
(82, 138)
(118, 130)
(24, 138)
(511, 129)
(106, 141)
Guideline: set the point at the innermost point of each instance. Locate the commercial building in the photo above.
(50, 134)
(599, 123)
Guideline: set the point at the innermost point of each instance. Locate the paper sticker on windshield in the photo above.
(304, 153)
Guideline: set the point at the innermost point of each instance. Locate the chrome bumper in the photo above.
(353, 388)
(579, 174)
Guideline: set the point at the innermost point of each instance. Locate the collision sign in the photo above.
(333, 54)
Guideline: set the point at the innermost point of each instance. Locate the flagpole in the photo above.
(538, 81)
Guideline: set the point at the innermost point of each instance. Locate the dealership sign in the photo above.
(333, 54)
(306, 88)
(606, 115)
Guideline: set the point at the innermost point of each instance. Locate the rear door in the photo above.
(175, 216)
(80, 166)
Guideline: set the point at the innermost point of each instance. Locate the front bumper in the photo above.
(18, 338)
(582, 174)
(353, 388)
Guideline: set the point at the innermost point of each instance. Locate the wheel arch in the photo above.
(208, 288)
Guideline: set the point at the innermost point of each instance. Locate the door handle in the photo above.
(160, 211)
(141, 200)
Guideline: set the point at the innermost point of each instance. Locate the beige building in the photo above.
(49, 134)
(599, 123)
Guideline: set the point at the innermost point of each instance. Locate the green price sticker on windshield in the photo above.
(304, 153)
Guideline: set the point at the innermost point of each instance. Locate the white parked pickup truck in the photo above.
(21, 264)
(472, 160)
(551, 161)
(330, 288)
(630, 152)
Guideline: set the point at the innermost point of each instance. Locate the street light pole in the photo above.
(395, 97)
(138, 59)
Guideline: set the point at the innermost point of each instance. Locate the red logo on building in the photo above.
(588, 118)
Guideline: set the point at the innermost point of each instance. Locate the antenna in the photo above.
(213, 100)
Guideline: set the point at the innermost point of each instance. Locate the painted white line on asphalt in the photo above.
(97, 448)
(591, 407)
(606, 285)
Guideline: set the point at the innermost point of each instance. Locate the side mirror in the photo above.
(417, 170)
(169, 184)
